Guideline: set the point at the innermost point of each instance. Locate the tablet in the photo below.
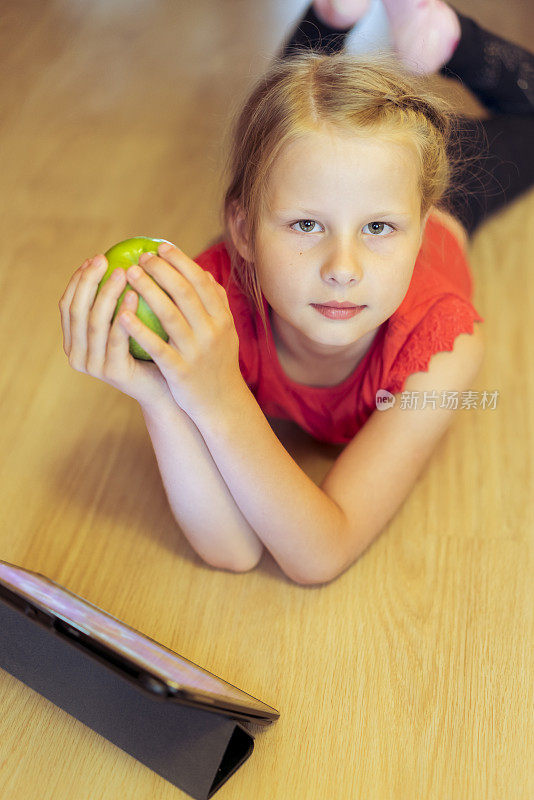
(137, 657)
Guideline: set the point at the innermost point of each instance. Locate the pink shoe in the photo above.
(425, 33)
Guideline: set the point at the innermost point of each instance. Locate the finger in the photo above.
(64, 304)
(164, 356)
(203, 282)
(118, 345)
(196, 301)
(79, 311)
(100, 319)
(171, 316)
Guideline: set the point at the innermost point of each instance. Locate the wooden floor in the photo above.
(408, 678)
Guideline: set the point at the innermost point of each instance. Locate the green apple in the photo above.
(123, 255)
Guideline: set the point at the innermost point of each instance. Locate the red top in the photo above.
(435, 310)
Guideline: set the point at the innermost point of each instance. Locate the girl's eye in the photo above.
(376, 228)
(305, 225)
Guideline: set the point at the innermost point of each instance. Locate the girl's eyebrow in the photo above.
(307, 212)
(403, 214)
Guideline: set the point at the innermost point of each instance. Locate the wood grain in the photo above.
(408, 677)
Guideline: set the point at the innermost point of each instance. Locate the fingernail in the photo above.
(116, 275)
(165, 247)
(98, 261)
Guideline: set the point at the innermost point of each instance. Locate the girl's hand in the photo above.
(96, 345)
(200, 362)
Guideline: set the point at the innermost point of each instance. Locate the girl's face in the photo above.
(342, 224)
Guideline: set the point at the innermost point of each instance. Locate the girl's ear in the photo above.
(237, 225)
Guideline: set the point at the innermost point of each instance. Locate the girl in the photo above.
(336, 281)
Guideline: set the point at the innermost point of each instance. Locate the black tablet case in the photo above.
(195, 750)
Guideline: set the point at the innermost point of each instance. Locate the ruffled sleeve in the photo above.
(436, 332)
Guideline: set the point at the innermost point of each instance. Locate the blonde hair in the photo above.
(362, 95)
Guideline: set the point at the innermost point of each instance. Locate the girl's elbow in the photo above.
(326, 569)
(246, 564)
(310, 580)
(318, 574)
(313, 578)
(237, 562)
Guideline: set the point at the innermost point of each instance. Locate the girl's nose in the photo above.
(343, 267)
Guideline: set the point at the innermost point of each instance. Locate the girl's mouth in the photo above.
(334, 312)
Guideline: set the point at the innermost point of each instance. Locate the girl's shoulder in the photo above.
(215, 259)
(442, 264)
(438, 306)
(453, 225)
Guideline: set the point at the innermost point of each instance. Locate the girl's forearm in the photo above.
(198, 496)
(301, 526)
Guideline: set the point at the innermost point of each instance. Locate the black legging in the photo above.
(499, 150)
